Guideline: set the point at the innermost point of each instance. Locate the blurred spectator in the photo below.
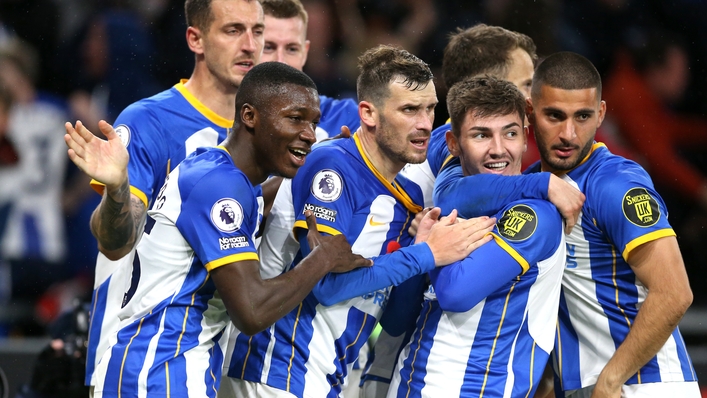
(36, 22)
(368, 23)
(640, 90)
(34, 239)
(114, 53)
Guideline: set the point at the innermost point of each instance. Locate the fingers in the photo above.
(345, 132)
(107, 130)
(433, 213)
(362, 262)
(475, 244)
(569, 224)
(311, 220)
(450, 219)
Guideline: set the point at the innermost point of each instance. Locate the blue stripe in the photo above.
(414, 369)
(359, 326)
(566, 352)
(287, 367)
(249, 356)
(688, 370)
(98, 305)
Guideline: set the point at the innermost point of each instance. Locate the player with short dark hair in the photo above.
(197, 264)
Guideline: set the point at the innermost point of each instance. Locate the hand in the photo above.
(104, 161)
(452, 241)
(567, 199)
(334, 249)
(603, 389)
(415, 224)
(425, 223)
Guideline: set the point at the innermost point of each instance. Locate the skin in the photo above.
(489, 145)
(520, 70)
(565, 123)
(262, 144)
(285, 41)
(397, 131)
(223, 55)
(225, 52)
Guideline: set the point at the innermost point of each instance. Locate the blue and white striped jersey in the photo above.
(487, 323)
(310, 351)
(159, 133)
(172, 316)
(600, 293)
(336, 113)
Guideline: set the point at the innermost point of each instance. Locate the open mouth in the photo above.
(245, 64)
(496, 166)
(419, 143)
(298, 154)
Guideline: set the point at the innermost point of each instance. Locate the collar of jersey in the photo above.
(397, 192)
(208, 113)
(595, 146)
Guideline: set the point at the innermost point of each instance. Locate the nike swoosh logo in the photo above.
(375, 223)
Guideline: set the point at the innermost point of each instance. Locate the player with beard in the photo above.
(354, 188)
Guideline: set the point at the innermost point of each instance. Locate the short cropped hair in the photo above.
(285, 9)
(267, 80)
(384, 64)
(484, 96)
(198, 13)
(481, 50)
(567, 71)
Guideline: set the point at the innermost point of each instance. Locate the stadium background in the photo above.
(99, 56)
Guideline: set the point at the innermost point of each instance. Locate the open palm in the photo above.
(104, 161)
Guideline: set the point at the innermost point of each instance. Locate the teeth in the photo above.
(299, 152)
(497, 165)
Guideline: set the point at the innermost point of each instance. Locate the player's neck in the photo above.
(244, 157)
(388, 168)
(216, 96)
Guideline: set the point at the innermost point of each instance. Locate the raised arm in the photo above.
(120, 216)
(659, 266)
(254, 304)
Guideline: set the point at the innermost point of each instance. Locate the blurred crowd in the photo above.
(63, 60)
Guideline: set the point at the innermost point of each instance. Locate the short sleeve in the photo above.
(628, 210)
(325, 185)
(219, 220)
(529, 230)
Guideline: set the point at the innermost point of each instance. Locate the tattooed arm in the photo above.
(117, 221)
(119, 218)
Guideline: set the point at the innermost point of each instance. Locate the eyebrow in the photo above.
(506, 127)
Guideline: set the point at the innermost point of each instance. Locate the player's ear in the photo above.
(452, 143)
(526, 130)
(249, 116)
(368, 113)
(194, 40)
(529, 111)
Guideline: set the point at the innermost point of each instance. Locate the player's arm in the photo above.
(461, 286)
(659, 266)
(120, 216)
(446, 241)
(254, 304)
(487, 193)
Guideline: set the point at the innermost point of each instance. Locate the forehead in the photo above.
(244, 12)
(520, 66)
(400, 94)
(568, 101)
(294, 96)
(284, 29)
(472, 120)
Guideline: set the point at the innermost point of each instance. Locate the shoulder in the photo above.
(528, 219)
